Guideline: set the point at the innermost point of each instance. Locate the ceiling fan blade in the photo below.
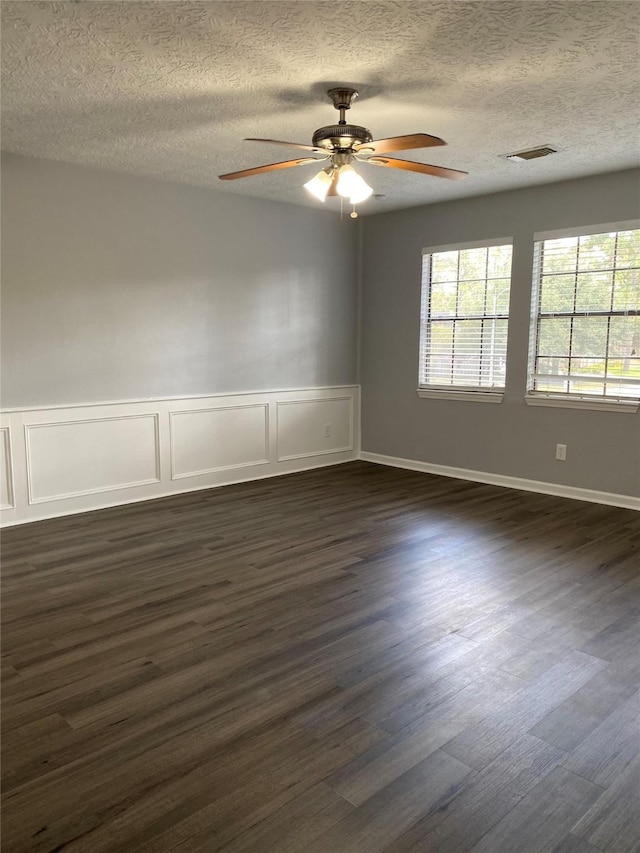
(401, 143)
(424, 168)
(271, 167)
(280, 142)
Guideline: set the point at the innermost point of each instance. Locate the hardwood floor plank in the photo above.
(613, 821)
(572, 844)
(378, 767)
(485, 798)
(384, 817)
(481, 743)
(532, 662)
(544, 816)
(611, 747)
(579, 715)
(620, 639)
(407, 656)
(299, 822)
(79, 696)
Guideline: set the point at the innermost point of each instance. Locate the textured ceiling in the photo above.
(170, 89)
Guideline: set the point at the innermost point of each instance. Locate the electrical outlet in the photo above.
(561, 452)
(327, 430)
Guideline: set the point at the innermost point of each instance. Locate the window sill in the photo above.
(629, 406)
(466, 396)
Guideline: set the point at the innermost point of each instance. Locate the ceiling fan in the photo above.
(341, 144)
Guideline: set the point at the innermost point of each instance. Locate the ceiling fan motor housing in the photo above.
(341, 137)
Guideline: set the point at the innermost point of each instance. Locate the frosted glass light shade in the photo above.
(352, 186)
(361, 192)
(347, 180)
(319, 185)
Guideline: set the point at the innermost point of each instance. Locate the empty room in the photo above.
(320, 428)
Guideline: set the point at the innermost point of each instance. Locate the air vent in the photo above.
(531, 154)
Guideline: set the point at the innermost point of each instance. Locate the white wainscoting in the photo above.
(58, 461)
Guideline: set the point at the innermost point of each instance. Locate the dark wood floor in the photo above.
(350, 660)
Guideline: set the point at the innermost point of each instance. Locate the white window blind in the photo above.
(586, 315)
(464, 317)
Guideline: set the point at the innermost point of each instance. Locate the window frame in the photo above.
(480, 393)
(567, 399)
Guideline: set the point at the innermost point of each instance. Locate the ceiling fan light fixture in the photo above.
(319, 185)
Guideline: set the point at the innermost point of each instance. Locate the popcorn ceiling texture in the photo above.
(170, 89)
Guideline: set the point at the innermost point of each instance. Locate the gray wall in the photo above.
(512, 438)
(115, 287)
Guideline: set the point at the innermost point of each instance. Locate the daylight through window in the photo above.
(464, 317)
(586, 313)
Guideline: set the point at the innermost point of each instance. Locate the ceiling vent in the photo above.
(531, 154)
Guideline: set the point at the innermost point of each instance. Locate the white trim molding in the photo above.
(222, 395)
(521, 483)
(72, 459)
(602, 405)
(586, 230)
(6, 461)
(467, 396)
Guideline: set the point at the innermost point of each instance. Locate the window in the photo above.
(585, 341)
(463, 322)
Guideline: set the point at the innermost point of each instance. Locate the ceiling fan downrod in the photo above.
(342, 98)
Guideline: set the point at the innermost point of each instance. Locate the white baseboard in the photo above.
(73, 459)
(590, 495)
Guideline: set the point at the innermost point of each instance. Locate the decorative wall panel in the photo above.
(208, 440)
(314, 427)
(74, 458)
